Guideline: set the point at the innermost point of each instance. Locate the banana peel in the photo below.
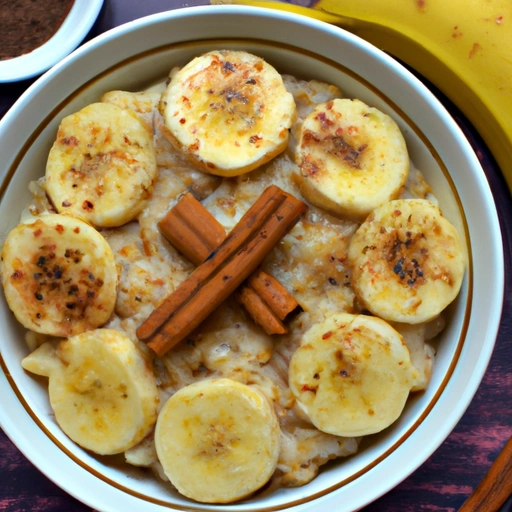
(463, 47)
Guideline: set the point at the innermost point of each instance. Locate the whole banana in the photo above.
(462, 47)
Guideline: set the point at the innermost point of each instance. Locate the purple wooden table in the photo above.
(446, 479)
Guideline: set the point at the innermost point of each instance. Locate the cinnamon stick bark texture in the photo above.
(259, 311)
(195, 232)
(192, 229)
(272, 292)
(262, 226)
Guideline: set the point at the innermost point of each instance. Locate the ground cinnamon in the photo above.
(262, 226)
(195, 232)
(27, 24)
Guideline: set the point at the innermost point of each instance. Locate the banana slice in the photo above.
(407, 261)
(101, 389)
(352, 158)
(217, 440)
(59, 275)
(144, 102)
(102, 165)
(352, 375)
(228, 111)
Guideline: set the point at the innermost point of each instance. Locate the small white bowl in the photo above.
(70, 34)
(137, 54)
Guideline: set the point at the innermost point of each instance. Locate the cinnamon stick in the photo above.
(496, 487)
(191, 229)
(263, 225)
(195, 232)
(272, 292)
(259, 311)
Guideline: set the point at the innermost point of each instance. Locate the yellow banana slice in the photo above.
(352, 374)
(217, 440)
(407, 261)
(101, 389)
(352, 158)
(228, 111)
(102, 165)
(59, 275)
(144, 102)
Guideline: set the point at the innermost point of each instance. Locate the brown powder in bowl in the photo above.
(27, 24)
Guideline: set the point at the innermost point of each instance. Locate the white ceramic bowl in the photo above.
(135, 55)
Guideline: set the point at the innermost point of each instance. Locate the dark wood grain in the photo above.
(446, 479)
(493, 491)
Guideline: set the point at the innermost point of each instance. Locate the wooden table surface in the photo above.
(445, 480)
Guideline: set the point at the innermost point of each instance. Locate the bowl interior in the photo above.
(135, 58)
